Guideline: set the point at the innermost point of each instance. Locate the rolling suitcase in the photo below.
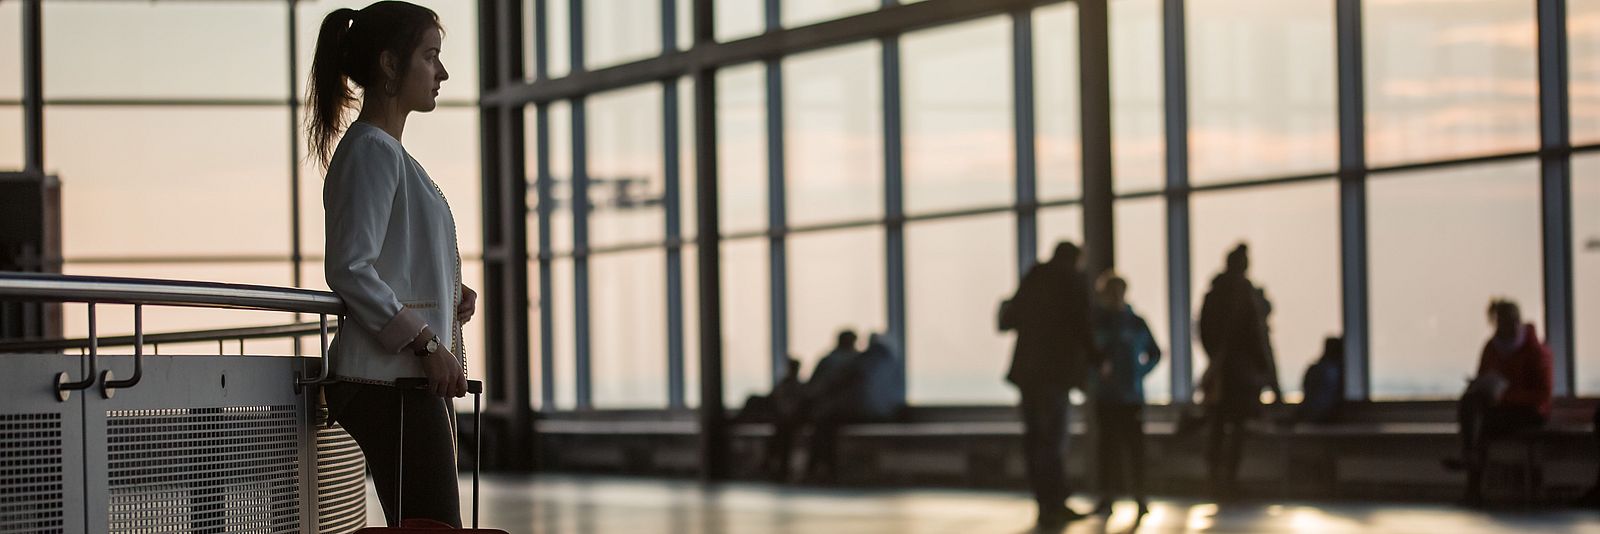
(427, 525)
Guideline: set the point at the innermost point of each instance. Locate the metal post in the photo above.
(33, 87)
(547, 329)
(713, 423)
(777, 218)
(894, 205)
(1353, 200)
(1094, 82)
(1176, 100)
(1555, 160)
(583, 379)
(1027, 175)
(296, 259)
(673, 200)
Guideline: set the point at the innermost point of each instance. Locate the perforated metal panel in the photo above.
(31, 474)
(202, 470)
(341, 482)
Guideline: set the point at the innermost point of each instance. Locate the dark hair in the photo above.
(1110, 278)
(1499, 307)
(349, 46)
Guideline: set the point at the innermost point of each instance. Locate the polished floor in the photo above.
(559, 504)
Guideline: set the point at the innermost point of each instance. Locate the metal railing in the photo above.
(140, 292)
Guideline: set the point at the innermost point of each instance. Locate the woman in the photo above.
(391, 253)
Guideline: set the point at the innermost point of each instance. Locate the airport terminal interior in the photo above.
(672, 211)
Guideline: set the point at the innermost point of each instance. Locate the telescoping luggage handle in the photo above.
(475, 387)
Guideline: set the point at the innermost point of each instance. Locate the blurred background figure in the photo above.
(1130, 354)
(1233, 332)
(1510, 393)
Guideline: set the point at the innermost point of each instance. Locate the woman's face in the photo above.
(419, 90)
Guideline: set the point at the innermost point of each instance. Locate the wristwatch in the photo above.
(430, 347)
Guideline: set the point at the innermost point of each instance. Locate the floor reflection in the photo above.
(559, 504)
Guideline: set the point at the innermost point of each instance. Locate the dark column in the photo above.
(1179, 290)
(1353, 199)
(713, 422)
(1094, 89)
(1555, 161)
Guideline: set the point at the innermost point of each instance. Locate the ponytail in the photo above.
(328, 93)
(349, 45)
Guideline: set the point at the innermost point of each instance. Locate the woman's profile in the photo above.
(391, 252)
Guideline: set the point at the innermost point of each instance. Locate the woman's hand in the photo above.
(444, 374)
(468, 305)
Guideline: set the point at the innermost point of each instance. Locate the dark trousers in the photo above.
(371, 414)
(1120, 442)
(1482, 420)
(1044, 443)
(1225, 435)
(822, 457)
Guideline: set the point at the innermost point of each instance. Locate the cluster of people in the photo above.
(848, 385)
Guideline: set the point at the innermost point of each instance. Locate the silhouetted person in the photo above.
(1130, 354)
(1323, 385)
(1054, 351)
(1510, 393)
(829, 402)
(863, 392)
(1233, 331)
(788, 402)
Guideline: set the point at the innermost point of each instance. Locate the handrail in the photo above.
(115, 290)
(142, 292)
(190, 336)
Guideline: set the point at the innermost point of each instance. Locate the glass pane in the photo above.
(1055, 101)
(472, 333)
(535, 338)
(746, 321)
(153, 181)
(1583, 69)
(1449, 79)
(959, 143)
(1586, 270)
(1138, 120)
(806, 12)
(165, 50)
(688, 218)
(626, 167)
(957, 272)
(446, 143)
(558, 25)
(1141, 241)
(11, 51)
(619, 32)
(742, 147)
(737, 19)
(11, 139)
(1430, 287)
(564, 335)
(836, 281)
(834, 137)
(1293, 235)
(691, 326)
(117, 320)
(685, 24)
(459, 54)
(628, 304)
(1262, 93)
(1064, 223)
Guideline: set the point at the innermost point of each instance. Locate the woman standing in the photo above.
(391, 253)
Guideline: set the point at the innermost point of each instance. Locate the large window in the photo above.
(151, 50)
(833, 135)
(1586, 270)
(1293, 235)
(806, 12)
(959, 143)
(1583, 69)
(1449, 78)
(1443, 243)
(1261, 89)
(957, 272)
(618, 32)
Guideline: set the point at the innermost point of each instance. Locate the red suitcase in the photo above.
(427, 526)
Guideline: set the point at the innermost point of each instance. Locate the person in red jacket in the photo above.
(1510, 393)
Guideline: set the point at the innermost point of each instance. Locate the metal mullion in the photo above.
(1179, 262)
(1556, 188)
(674, 221)
(583, 380)
(33, 87)
(547, 310)
(1026, 151)
(712, 417)
(894, 205)
(1353, 200)
(1094, 93)
(777, 217)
